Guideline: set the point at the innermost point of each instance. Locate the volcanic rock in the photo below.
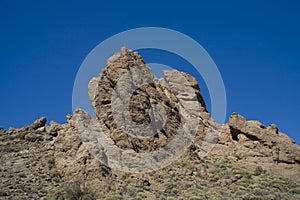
(141, 114)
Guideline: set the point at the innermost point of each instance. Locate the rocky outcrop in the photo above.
(110, 93)
(27, 162)
(139, 113)
(249, 143)
(74, 162)
(247, 158)
(39, 123)
(253, 144)
(130, 101)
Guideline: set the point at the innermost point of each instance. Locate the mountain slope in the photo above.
(237, 160)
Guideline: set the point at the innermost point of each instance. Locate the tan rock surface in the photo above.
(254, 144)
(237, 160)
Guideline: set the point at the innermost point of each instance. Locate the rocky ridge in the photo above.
(248, 160)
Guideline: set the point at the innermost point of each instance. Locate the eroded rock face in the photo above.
(39, 123)
(250, 143)
(127, 84)
(53, 156)
(253, 144)
(75, 163)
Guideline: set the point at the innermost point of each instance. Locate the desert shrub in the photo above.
(51, 162)
(114, 197)
(21, 135)
(258, 171)
(74, 191)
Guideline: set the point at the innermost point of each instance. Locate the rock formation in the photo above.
(253, 144)
(123, 69)
(240, 159)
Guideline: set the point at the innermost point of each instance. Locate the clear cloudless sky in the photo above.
(255, 44)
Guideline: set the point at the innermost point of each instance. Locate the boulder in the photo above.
(39, 123)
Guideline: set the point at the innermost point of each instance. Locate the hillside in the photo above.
(140, 120)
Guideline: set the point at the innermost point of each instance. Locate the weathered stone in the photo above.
(53, 128)
(34, 163)
(33, 137)
(254, 144)
(127, 74)
(39, 123)
(2, 130)
(74, 162)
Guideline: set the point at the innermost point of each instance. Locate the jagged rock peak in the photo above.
(127, 82)
(53, 161)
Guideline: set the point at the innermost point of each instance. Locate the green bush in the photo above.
(75, 192)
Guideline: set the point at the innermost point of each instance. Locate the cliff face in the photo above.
(253, 144)
(140, 114)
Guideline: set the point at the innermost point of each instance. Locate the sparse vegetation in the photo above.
(51, 162)
(75, 191)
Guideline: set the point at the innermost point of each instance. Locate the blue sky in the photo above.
(255, 44)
